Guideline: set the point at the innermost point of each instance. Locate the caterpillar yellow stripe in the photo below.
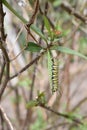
(55, 75)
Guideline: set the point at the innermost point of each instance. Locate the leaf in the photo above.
(38, 32)
(31, 103)
(50, 67)
(47, 25)
(68, 51)
(33, 47)
(41, 98)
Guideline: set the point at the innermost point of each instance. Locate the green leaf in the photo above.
(50, 68)
(38, 32)
(68, 51)
(32, 103)
(33, 47)
(47, 25)
(41, 98)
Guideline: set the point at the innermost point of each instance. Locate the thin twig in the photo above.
(2, 14)
(7, 61)
(26, 67)
(2, 121)
(52, 25)
(45, 13)
(6, 118)
(7, 69)
(30, 63)
(32, 19)
(2, 70)
(34, 14)
(4, 51)
(65, 5)
(18, 54)
(19, 33)
(62, 115)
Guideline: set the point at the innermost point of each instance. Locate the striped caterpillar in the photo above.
(55, 76)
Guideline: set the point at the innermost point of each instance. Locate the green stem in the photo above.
(14, 12)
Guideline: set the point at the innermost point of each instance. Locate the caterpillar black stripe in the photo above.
(55, 79)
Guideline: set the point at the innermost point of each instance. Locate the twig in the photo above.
(6, 118)
(62, 115)
(45, 13)
(27, 26)
(31, 63)
(7, 69)
(34, 14)
(4, 51)
(19, 33)
(2, 36)
(32, 19)
(26, 67)
(2, 70)
(18, 54)
(65, 5)
(2, 14)
(1, 122)
(52, 25)
(80, 27)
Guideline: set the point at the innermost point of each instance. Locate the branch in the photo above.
(2, 70)
(2, 36)
(32, 19)
(7, 69)
(3, 49)
(62, 115)
(42, 13)
(66, 6)
(29, 64)
(6, 118)
(45, 13)
(34, 14)
(26, 67)
(2, 14)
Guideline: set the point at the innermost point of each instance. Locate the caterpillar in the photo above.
(55, 79)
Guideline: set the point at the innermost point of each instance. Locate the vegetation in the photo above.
(41, 45)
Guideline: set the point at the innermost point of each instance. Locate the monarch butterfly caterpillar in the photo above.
(55, 75)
